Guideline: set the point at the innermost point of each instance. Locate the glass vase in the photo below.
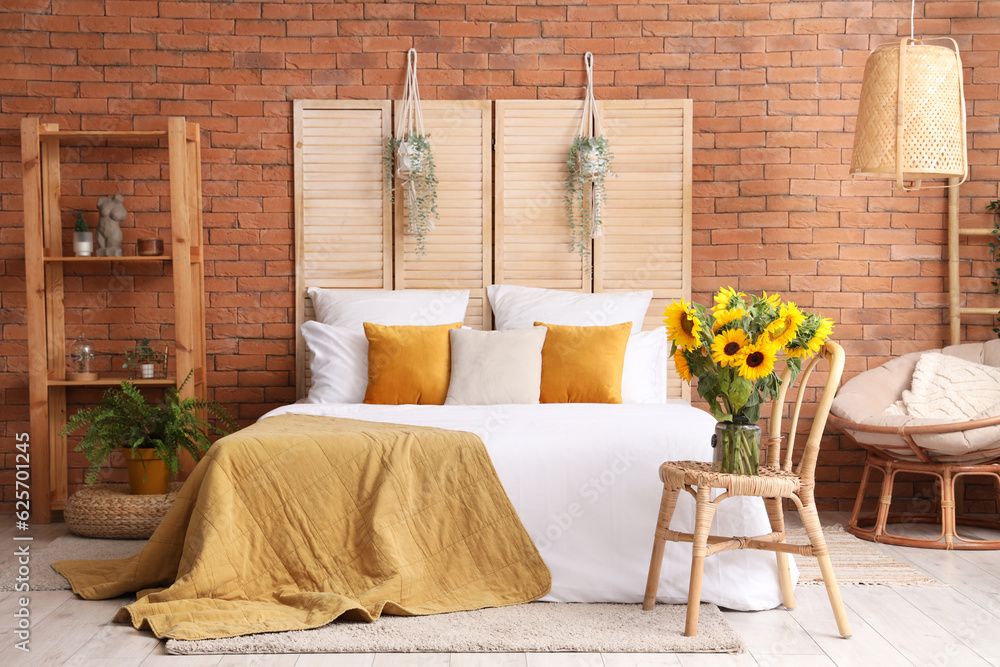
(736, 448)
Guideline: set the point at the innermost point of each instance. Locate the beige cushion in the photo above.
(866, 396)
(492, 367)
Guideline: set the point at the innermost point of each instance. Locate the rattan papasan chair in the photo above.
(944, 449)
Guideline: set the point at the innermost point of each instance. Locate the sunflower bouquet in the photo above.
(732, 349)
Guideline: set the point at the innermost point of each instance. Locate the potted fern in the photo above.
(150, 435)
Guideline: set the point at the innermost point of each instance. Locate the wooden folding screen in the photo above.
(343, 218)
(346, 235)
(647, 238)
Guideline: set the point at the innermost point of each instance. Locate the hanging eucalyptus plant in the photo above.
(412, 160)
(587, 169)
(408, 157)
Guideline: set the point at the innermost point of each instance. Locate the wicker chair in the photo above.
(947, 452)
(776, 481)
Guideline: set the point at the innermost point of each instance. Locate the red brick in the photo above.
(539, 45)
(436, 12)
(490, 13)
(464, 29)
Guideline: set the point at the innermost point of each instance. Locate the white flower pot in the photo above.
(404, 161)
(83, 243)
(590, 162)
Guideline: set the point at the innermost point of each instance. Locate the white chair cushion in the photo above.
(864, 399)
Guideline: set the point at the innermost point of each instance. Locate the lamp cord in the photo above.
(913, 5)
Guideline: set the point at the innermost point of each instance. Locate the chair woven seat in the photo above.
(770, 482)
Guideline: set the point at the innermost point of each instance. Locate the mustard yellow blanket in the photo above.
(298, 520)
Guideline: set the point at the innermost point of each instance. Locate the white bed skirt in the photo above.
(584, 480)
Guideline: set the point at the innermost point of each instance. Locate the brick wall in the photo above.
(775, 87)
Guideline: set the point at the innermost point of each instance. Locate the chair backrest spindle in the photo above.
(834, 354)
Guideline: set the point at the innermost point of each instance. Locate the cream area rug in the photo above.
(67, 547)
(533, 627)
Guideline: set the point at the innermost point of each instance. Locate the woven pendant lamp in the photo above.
(911, 116)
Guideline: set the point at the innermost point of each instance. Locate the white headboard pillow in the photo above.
(351, 308)
(516, 307)
(338, 359)
(644, 377)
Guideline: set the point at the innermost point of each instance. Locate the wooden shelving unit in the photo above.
(44, 271)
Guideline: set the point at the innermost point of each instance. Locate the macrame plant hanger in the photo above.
(590, 127)
(410, 127)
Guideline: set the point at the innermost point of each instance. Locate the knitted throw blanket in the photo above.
(947, 387)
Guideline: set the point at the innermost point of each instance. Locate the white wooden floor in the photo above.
(957, 625)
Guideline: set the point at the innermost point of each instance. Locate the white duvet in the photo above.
(584, 480)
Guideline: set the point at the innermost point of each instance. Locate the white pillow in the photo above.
(949, 387)
(491, 367)
(644, 377)
(353, 307)
(339, 363)
(517, 307)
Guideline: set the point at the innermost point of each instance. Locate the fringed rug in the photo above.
(856, 562)
(534, 627)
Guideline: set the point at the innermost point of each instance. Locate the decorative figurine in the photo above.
(109, 234)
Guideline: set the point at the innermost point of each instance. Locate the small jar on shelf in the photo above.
(81, 359)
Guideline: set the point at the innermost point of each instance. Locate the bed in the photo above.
(583, 479)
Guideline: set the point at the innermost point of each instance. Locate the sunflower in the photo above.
(724, 317)
(824, 328)
(681, 364)
(757, 360)
(783, 329)
(773, 301)
(725, 297)
(683, 326)
(728, 346)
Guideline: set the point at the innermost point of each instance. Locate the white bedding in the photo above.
(583, 478)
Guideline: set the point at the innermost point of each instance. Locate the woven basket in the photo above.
(110, 511)
(922, 135)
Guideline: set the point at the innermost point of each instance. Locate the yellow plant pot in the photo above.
(147, 473)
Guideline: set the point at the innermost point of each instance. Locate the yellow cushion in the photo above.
(408, 364)
(583, 364)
